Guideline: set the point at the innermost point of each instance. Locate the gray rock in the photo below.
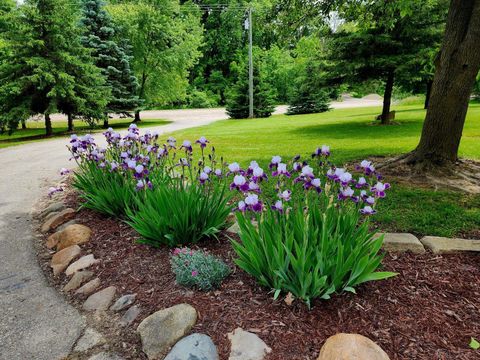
(194, 347)
(101, 300)
(442, 245)
(89, 340)
(123, 302)
(78, 279)
(82, 263)
(89, 287)
(234, 229)
(105, 356)
(130, 315)
(55, 207)
(247, 346)
(400, 242)
(50, 215)
(67, 224)
(164, 328)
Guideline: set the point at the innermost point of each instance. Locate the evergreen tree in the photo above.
(308, 100)
(110, 56)
(46, 69)
(237, 98)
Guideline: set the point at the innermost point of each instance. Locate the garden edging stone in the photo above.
(399, 242)
(164, 328)
(443, 245)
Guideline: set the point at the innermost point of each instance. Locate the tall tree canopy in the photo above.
(110, 56)
(378, 42)
(165, 45)
(46, 69)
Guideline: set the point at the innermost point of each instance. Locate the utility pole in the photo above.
(250, 64)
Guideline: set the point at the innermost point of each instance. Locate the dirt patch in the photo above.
(429, 311)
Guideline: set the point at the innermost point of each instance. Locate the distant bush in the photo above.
(202, 99)
(198, 269)
(308, 101)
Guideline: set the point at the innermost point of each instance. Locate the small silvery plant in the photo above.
(198, 269)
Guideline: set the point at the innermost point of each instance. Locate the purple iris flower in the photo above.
(258, 174)
(241, 206)
(113, 166)
(334, 174)
(187, 145)
(218, 172)
(162, 152)
(234, 168)
(140, 184)
(253, 203)
(297, 166)
(131, 164)
(345, 193)
(316, 184)
(202, 141)
(345, 178)
(253, 165)
(367, 210)
(275, 161)
(171, 141)
(370, 200)
(54, 190)
(379, 189)
(278, 206)
(281, 170)
(361, 183)
(253, 186)
(367, 167)
(203, 177)
(207, 170)
(64, 171)
(285, 195)
(239, 183)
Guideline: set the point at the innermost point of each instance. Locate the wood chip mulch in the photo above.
(429, 311)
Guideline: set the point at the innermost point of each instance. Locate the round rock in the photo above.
(247, 346)
(194, 347)
(351, 347)
(164, 328)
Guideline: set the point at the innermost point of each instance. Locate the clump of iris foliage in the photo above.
(198, 269)
(312, 238)
(304, 224)
(166, 196)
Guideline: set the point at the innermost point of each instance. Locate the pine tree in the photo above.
(308, 98)
(46, 69)
(238, 99)
(110, 56)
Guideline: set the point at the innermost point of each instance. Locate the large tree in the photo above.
(457, 66)
(165, 46)
(45, 68)
(379, 43)
(111, 57)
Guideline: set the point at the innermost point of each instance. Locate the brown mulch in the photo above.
(429, 311)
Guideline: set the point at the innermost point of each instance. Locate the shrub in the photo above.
(198, 269)
(312, 240)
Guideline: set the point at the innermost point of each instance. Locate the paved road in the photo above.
(35, 321)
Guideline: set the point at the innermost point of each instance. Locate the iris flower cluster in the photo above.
(297, 179)
(142, 159)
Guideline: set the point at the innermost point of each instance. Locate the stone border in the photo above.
(165, 334)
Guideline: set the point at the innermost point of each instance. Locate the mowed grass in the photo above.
(36, 131)
(351, 136)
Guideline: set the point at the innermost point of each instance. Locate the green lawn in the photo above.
(351, 136)
(36, 130)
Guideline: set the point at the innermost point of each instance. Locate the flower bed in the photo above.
(304, 239)
(429, 311)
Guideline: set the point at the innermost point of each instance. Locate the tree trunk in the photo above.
(137, 116)
(48, 125)
(105, 122)
(453, 82)
(24, 124)
(70, 122)
(387, 98)
(427, 95)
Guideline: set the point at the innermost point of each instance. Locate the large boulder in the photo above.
(351, 347)
(164, 328)
(61, 259)
(53, 222)
(194, 347)
(76, 234)
(247, 346)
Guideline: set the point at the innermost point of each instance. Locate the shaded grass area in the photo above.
(36, 130)
(352, 136)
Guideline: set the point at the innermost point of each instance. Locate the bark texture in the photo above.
(387, 98)
(70, 122)
(458, 65)
(137, 116)
(48, 125)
